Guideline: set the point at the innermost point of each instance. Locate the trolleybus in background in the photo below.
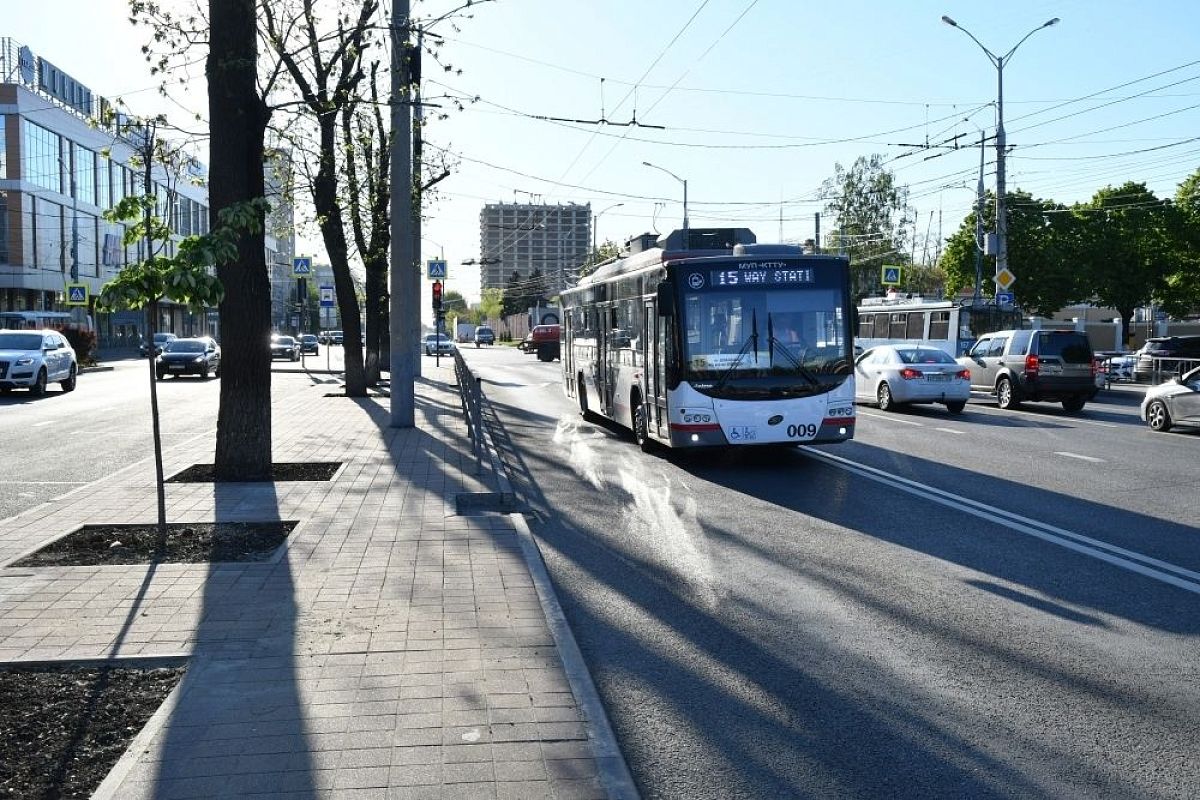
(950, 326)
(714, 341)
(37, 320)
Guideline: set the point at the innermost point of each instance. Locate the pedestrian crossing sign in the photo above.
(891, 275)
(435, 269)
(77, 294)
(301, 266)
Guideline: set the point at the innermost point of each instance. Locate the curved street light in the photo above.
(595, 221)
(998, 62)
(684, 182)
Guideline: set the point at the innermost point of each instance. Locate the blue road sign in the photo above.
(326, 296)
(1004, 297)
(77, 294)
(301, 266)
(891, 275)
(435, 269)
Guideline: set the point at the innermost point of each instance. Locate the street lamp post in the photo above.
(998, 62)
(595, 222)
(684, 182)
(978, 218)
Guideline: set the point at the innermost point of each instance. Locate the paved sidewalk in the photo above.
(393, 649)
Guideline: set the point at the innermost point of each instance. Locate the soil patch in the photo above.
(281, 471)
(191, 542)
(62, 728)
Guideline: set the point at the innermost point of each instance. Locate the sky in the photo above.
(758, 101)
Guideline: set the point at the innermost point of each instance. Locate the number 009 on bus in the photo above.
(714, 340)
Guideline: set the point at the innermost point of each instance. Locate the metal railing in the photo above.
(471, 397)
(1162, 367)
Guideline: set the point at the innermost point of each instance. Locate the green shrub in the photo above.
(84, 343)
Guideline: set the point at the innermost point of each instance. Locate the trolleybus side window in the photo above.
(939, 325)
(916, 325)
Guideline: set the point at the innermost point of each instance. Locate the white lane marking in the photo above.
(1033, 416)
(1065, 454)
(43, 483)
(43, 424)
(950, 430)
(1130, 560)
(892, 418)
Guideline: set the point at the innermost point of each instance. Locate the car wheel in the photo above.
(956, 406)
(884, 396)
(39, 385)
(204, 373)
(1005, 397)
(581, 393)
(69, 384)
(162, 376)
(1073, 404)
(1157, 416)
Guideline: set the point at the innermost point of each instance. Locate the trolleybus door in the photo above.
(653, 333)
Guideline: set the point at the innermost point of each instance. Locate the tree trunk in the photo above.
(333, 234)
(376, 284)
(238, 120)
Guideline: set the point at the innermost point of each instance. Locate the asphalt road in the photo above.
(55, 443)
(997, 604)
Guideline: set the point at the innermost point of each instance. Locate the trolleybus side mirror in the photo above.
(666, 300)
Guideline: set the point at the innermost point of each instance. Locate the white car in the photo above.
(32, 359)
(438, 343)
(892, 375)
(1175, 403)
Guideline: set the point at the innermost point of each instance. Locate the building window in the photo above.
(3, 225)
(3, 148)
(103, 183)
(85, 173)
(40, 157)
(49, 251)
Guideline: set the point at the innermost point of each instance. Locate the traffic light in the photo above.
(437, 297)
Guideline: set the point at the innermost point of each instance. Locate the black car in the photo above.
(189, 357)
(285, 347)
(160, 339)
(310, 344)
(1164, 356)
(1035, 365)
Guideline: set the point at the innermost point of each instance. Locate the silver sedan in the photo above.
(1173, 403)
(896, 374)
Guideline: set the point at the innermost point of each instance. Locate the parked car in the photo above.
(1035, 365)
(484, 335)
(436, 343)
(32, 359)
(159, 340)
(1117, 366)
(894, 375)
(285, 347)
(309, 344)
(1173, 403)
(189, 357)
(335, 337)
(1166, 347)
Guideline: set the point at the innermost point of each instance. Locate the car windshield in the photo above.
(20, 341)
(308, 338)
(159, 338)
(184, 346)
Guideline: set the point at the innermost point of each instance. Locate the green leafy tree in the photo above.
(605, 252)
(1042, 244)
(186, 277)
(492, 303)
(1128, 245)
(871, 219)
(453, 302)
(1179, 295)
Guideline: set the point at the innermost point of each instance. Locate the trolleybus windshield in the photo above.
(786, 324)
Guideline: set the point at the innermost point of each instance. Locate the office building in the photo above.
(521, 238)
(66, 157)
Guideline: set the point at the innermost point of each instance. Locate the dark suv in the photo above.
(1166, 347)
(1057, 366)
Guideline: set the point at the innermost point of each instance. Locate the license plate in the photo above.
(937, 376)
(1050, 369)
(743, 433)
(176, 367)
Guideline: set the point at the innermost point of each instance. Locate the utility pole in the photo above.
(414, 75)
(817, 235)
(404, 282)
(979, 227)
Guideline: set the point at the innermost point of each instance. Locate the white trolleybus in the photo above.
(950, 326)
(722, 342)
